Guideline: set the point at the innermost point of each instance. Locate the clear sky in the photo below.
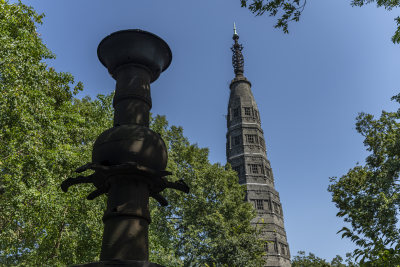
(309, 85)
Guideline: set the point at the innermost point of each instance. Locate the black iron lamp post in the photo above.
(129, 159)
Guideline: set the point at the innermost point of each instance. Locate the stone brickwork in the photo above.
(246, 152)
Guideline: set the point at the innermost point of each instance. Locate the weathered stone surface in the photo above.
(246, 152)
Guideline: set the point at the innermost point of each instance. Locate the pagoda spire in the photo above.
(246, 153)
(237, 56)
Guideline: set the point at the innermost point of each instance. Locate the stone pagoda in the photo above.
(246, 152)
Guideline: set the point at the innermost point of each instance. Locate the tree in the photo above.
(337, 262)
(211, 225)
(46, 133)
(388, 5)
(290, 10)
(43, 136)
(302, 260)
(368, 197)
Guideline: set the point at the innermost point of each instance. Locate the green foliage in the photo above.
(46, 133)
(368, 196)
(388, 5)
(310, 260)
(302, 260)
(211, 225)
(289, 10)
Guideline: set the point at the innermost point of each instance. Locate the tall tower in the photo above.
(246, 152)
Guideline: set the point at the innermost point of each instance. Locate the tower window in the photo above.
(276, 208)
(283, 249)
(259, 204)
(255, 114)
(236, 112)
(268, 172)
(276, 246)
(269, 204)
(262, 142)
(247, 111)
(253, 168)
(251, 138)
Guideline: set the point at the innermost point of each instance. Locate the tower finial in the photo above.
(237, 57)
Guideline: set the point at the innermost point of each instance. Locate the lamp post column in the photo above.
(129, 159)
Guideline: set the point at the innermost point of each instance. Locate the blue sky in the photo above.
(309, 85)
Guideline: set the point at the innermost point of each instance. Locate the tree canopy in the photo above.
(311, 260)
(211, 225)
(46, 133)
(291, 10)
(368, 197)
(303, 260)
(288, 10)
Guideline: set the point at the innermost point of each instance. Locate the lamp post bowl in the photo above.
(135, 47)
